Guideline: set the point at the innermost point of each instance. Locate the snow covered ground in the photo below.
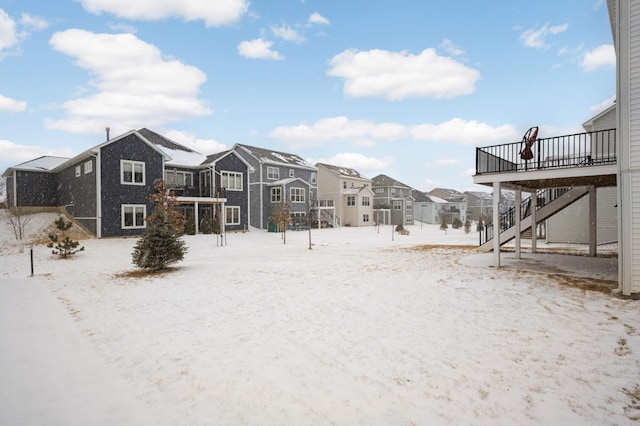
(361, 329)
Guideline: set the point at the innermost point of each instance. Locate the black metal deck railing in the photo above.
(577, 150)
(508, 218)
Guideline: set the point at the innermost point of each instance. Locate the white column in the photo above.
(518, 223)
(534, 222)
(496, 224)
(195, 217)
(593, 221)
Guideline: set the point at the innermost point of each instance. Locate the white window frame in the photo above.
(365, 218)
(393, 192)
(276, 194)
(351, 200)
(409, 205)
(366, 200)
(78, 171)
(232, 215)
(314, 177)
(88, 167)
(397, 205)
(134, 209)
(299, 196)
(273, 173)
(231, 181)
(133, 165)
(409, 218)
(379, 190)
(292, 173)
(174, 174)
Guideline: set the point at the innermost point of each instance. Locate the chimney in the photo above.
(107, 129)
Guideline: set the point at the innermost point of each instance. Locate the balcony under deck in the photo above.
(564, 161)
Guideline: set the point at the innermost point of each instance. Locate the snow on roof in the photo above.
(343, 171)
(437, 199)
(269, 156)
(180, 157)
(44, 163)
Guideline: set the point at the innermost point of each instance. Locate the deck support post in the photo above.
(534, 222)
(593, 221)
(518, 223)
(496, 224)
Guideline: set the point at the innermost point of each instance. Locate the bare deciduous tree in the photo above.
(19, 219)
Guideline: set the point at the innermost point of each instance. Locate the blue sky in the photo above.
(407, 88)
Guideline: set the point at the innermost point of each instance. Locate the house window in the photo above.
(409, 218)
(409, 204)
(296, 195)
(273, 173)
(276, 195)
(88, 167)
(365, 218)
(131, 172)
(344, 184)
(351, 200)
(314, 178)
(291, 173)
(232, 215)
(78, 171)
(133, 216)
(178, 178)
(379, 190)
(298, 219)
(393, 192)
(231, 181)
(397, 205)
(366, 201)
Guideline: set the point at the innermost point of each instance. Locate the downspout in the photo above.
(98, 194)
(15, 188)
(261, 200)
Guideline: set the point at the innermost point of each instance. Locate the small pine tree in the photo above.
(443, 224)
(161, 244)
(191, 225)
(457, 223)
(62, 245)
(206, 227)
(399, 228)
(467, 226)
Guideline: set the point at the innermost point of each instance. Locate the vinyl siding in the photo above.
(634, 142)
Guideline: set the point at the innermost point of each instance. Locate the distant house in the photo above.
(479, 204)
(349, 192)
(106, 188)
(445, 193)
(278, 177)
(392, 201)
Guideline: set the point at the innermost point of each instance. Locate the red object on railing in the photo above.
(528, 140)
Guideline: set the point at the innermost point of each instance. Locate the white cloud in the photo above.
(317, 19)
(358, 162)
(203, 146)
(401, 75)
(14, 153)
(133, 85)
(258, 49)
(213, 12)
(446, 162)
(448, 46)
(602, 56)
(464, 132)
(33, 22)
(339, 129)
(365, 133)
(287, 33)
(8, 104)
(8, 36)
(536, 37)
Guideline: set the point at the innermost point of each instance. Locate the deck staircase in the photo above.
(550, 202)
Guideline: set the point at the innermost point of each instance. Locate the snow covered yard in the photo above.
(359, 330)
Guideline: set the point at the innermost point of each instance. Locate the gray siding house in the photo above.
(392, 201)
(106, 188)
(278, 177)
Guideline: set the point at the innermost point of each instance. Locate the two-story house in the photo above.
(392, 201)
(349, 192)
(277, 178)
(106, 188)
